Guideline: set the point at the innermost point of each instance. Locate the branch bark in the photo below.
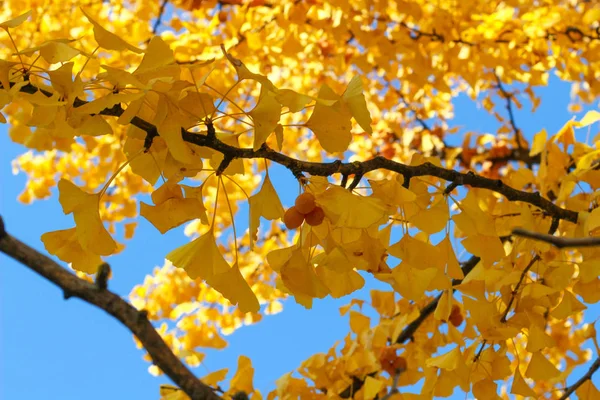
(588, 376)
(559, 242)
(114, 305)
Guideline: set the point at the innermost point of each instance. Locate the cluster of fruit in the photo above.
(391, 362)
(305, 209)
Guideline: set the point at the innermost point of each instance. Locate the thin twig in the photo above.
(588, 376)
(114, 305)
(559, 242)
(161, 12)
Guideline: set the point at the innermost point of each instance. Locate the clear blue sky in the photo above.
(56, 349)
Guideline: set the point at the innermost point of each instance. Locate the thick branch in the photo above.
(559, 242)
(114, 305)
(588, 376)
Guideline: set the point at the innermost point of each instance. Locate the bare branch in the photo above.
(588, 376)
(559, 242)
(161, 12)
(114, 305)
(511, 116)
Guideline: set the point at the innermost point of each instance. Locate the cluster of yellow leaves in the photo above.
(418, 57)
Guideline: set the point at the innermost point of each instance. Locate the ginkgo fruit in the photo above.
(456, 317)
(315, 217)
(305, 203)
(292, 218)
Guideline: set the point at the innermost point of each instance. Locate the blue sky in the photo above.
(56, 349)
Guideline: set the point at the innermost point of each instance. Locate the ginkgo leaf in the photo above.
(355, 99)
(233, 287)
(65, 245)
(300, 278)
(13, 23)
(521, 387)
(433, 219)
(94, 125)
(91, 232)
(242, 380)
(120, 78)
(264, 204)
(444, 307)
(244, 73)
(197, 104)
(537, 339)
(292, 100)
(587, 390)
(108, 101)
(200, 258)
(568, 306)
(345, 209)
(331, 124)
(372, 388)
(540, 368)
(156, 55)
(108, 40)
(589, 118)
(448, 361)
(265, 116)
(411, 282)
(215, 377)
(340, 283)
(172, 213)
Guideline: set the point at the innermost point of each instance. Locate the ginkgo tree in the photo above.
(176, 111)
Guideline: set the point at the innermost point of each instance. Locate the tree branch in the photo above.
(114, 305)
(161, 12)
(353, 168)
(559, 242)
(588, 376)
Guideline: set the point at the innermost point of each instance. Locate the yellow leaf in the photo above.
(433, 219)
(366, 253)
(105, 102)
(568, 306)
(486, 389)
(300, 278)
(448, 361)
(331, 124)
(170, 130)
(521, 387)
(265, 116)
(172, 213)
(444, 307)
(489, 248)
(233, 287)
(90, 231)
(391, 192)
(13, 23)
(411, 283)
(355, 99)
(158, 54)
(539, 143)
(588, 391)
(540, 368)
(197, 104)
(359, 323)
(591, 116)
(372, 388)
(108, 40)
(340, 283)
(94, 126)
(242, 380)
(592, 15)
(453, 269)
(64, 245)
(293, 101)
(538, 339)
(264, 204)
(200, 258)
(244, 73)
(215, 377)
(345, 209)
